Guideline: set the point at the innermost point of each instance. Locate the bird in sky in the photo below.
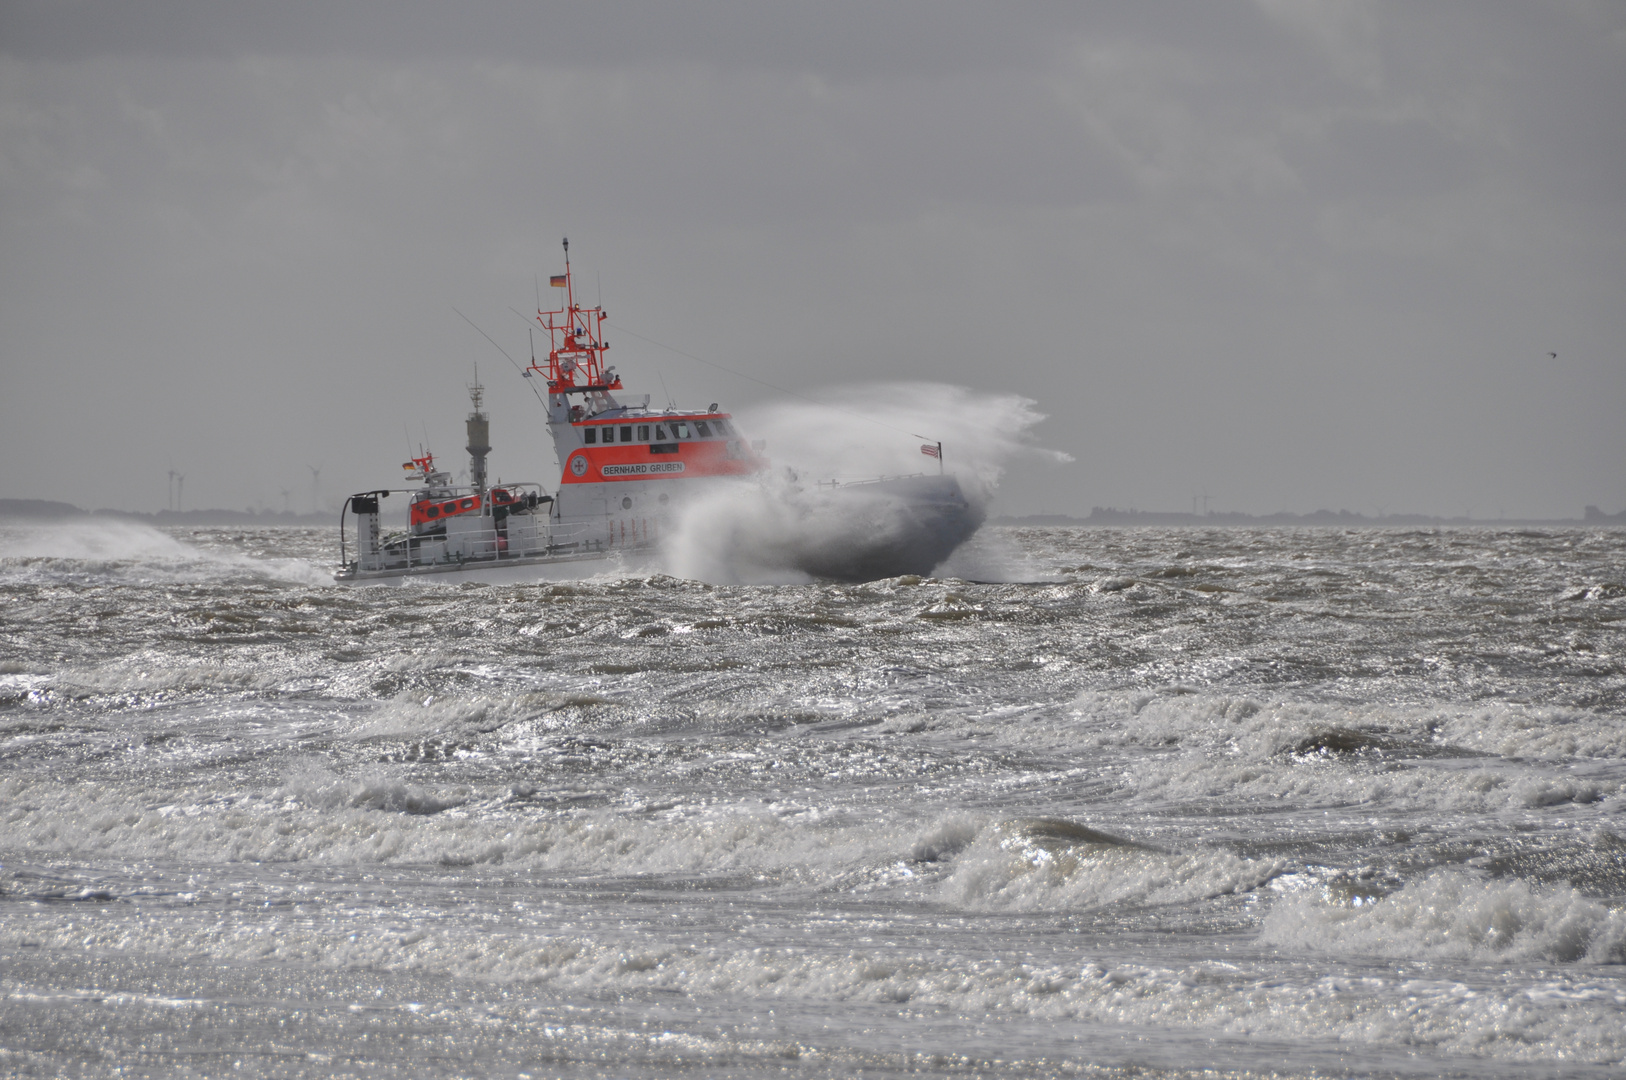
(1552, 356)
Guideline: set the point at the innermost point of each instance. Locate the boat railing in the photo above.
(519, 535)
(525, 530)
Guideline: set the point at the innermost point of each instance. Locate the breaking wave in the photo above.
(108, 550)
(1453, 914)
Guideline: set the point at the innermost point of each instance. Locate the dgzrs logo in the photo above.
(578, 464)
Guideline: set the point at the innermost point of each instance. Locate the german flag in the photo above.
(558, 280)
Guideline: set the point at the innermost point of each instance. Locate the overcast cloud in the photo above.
(1291, 255)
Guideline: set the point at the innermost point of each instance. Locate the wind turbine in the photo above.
(285, 494)
(316, 488)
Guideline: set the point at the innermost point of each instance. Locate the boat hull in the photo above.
(887, 528)
(849, 532)
(557, 567)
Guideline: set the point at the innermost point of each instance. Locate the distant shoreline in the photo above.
(46, 510)
(1107, 516)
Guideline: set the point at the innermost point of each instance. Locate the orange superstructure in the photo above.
(671, 447)
(620, 461)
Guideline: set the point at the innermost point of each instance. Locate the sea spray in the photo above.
(879, 429)
(817, 512)
(107, 549)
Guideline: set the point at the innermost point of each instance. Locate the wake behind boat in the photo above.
(627, 473)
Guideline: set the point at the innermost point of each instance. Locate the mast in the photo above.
(576, 349)
(479, 429)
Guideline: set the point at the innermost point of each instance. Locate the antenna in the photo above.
(670, 404)
(316, 488)
(500, 349)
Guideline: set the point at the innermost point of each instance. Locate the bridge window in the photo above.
(590, 436)
(626, 434)
(609, 434)
(682, 430)
(701, 429)
(643, 432)
(721, 426)
(660, 433)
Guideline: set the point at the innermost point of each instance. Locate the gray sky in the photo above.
(1293, 255)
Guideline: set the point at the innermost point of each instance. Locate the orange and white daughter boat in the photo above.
(626, 473)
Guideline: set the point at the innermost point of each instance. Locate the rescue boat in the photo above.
(626, 470)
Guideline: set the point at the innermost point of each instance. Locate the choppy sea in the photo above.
(1090, 803)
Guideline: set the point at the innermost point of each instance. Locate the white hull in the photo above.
(515, 571)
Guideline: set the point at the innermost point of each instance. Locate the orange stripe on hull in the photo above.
(595, 465)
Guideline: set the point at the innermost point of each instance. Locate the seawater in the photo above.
(1089, 803)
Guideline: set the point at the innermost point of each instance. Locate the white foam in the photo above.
(1528, 731)
(143, 674)
(414, 715)
(383, 815)
(110, 549)
(1049, 866)
(1572, 1015)
(372, 789)
(1453, 914)
(1309, 753)
(98, 540)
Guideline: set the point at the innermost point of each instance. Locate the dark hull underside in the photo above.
(880, 529)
